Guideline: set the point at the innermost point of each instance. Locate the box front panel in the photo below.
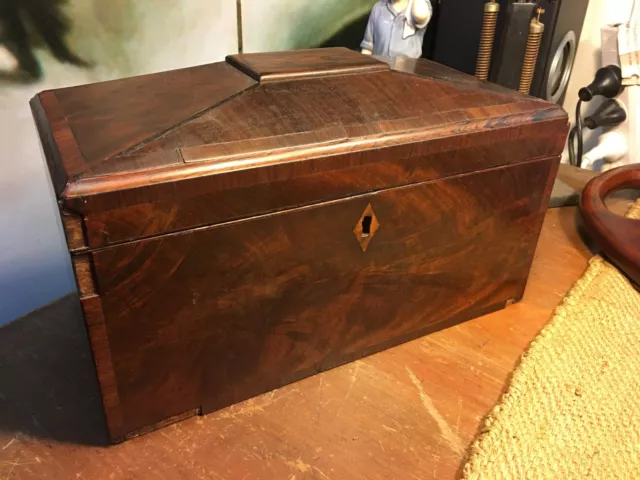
(127, 215)
(213, 316)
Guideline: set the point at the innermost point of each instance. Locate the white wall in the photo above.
(599, 14)
(122, 38)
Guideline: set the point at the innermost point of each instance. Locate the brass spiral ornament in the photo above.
(531, 53)
(486, 39)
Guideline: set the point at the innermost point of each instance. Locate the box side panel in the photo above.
(206, 318)
(117, 217)
(63, 157)
(111, 118)
(82, 263)
(73, 226)
(536, 225)
(100, 349)
(84, 129)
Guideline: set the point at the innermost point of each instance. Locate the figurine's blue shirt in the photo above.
(384, 32)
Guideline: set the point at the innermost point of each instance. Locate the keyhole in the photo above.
(366, 226)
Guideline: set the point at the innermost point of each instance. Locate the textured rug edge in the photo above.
(477, 458)
(476, 453)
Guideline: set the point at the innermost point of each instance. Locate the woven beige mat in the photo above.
(572, 408)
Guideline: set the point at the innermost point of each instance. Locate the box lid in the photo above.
(142, 139)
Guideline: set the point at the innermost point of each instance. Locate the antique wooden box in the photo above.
(238, 226)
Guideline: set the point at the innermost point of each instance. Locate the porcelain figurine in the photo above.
(396, 28)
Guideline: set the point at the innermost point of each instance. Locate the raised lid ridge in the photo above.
(266, 67)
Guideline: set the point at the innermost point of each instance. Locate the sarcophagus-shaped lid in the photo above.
(273, 117)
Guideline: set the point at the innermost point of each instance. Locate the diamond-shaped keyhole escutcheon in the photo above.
(366, 227)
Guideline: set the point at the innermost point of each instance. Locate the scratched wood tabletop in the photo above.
(406, 413)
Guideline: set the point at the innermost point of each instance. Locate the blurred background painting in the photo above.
(295, 24)
(48, 44)
(26, 24)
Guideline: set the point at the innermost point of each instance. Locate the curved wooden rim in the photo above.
(618, 237)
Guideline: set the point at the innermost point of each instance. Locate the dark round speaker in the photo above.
(458, 36)
(560, 68)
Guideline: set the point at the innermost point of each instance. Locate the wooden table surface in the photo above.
(406, 413)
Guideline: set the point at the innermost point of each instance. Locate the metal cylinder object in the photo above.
(531, 53)
(486, 39)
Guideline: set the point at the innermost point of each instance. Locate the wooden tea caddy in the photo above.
(238, 226)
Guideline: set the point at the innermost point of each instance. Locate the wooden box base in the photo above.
(241, 225)
(195, 321)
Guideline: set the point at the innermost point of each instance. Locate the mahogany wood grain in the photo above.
(240, 194)
(225, 254)
(139, 151)
(111, 118)
(84, 275)
(407, 412)
(266, 67)
(618, 237)
(101, 352)
(98, 337)
(210, 317)
(437, 153)
(442, 73)
(59, 145)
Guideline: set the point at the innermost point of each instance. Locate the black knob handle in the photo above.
(607, 82)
